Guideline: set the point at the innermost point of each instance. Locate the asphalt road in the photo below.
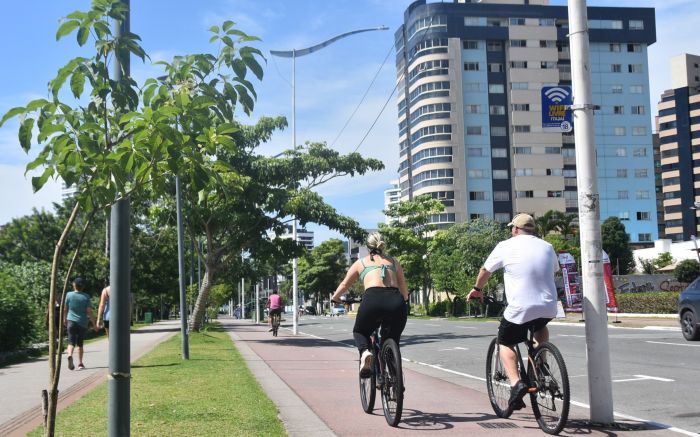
(655, 372)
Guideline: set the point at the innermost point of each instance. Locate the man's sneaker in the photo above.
(70, 363)
(366, 364)
(81, 366)
(516, 396)
(269, 330)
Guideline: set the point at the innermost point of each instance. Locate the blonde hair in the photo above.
(375, 244)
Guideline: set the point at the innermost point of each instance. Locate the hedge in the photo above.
(653, 302)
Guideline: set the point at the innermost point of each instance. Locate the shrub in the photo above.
(440, 308)
(687, 270)
(17, 316)
(654, 302)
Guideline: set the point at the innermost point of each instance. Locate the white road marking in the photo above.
(643, 378)
(674, 344)
(456, 348)
(570, 335)
(466, 327)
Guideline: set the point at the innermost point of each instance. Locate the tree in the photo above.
(548, 222)
(616, 244)
(457, 254)
(687, 271)
(408, 238)
(323, 268)
(664, 259)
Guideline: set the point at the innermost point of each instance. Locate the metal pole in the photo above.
(594, 304)
(181, 271)
(119, 382)
(257, 303)
(295, 265)
(695, 243)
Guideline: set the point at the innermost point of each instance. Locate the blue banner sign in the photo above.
(556, 112)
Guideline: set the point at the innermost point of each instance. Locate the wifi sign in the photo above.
(556, 112)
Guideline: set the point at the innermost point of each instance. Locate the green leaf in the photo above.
(39, 181)
(227, 25)
(254, 66)
(226, 128)
(82, 36)
(25, 133)
(214, 29)
(77, 83)
(66, 28)
(12, 113)
(48, 129)
(213, 38)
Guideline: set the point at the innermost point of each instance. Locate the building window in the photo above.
(497, 110)
(473, 130)
(521, 106)
(469, 44)
(499, 153)
(477, 216)
(554, 172)
(625, 215)
(616, 89)
(496, 22)
(638, 110)
(546, 21)
(498, 131)
(524, 194)
(547, 43)
(473, 87)
(471, 66)
(615, 47)
(517, 21)
(496, 67)
(640, 172)
(494, 46)
(502, 217)
(639, 130)
(636, 25)
(636, 89)
(644, 237)
(477, 195)
(501, 196)
(475, 151)
(619, 131)
(618, 109)
(519, 85)
(472, 21)
(635, 68)
(640, 151)
(476, 173)
(523, 172)
(621, 172)
(643, 215)
(552, 150)
(555, 193)
(496, 88)
(500, 174)
(518, 43)
(634, 48)
(623, 194)
(642, 194)
(548, 64)
(518, 64)
(521, 128)
(621, 151)
(616, 68)
(522, 150)
(473, 109)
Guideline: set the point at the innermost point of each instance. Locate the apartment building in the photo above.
(392, 195)
(678, 126)
(470, 76)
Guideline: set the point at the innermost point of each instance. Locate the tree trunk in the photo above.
(200, 305)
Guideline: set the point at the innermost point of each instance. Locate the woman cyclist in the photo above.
(384, 301)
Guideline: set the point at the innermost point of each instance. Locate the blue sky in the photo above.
(330, 83)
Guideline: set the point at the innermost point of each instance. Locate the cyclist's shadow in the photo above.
(420, 420)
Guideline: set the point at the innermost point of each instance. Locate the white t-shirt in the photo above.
(530, 264)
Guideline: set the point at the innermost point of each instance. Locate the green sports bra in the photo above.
(383, 267)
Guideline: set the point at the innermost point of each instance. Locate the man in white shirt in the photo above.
(530, 264)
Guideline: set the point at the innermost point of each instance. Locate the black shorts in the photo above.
(510, 334)
(106, 323)
(76, 333)
(276, 311)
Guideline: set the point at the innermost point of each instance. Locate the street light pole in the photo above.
(293, 54)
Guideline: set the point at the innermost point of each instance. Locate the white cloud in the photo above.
(17, 198)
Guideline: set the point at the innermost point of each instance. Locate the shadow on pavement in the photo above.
(155, 329)
(420, 420)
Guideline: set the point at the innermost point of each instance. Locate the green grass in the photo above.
(213, 393)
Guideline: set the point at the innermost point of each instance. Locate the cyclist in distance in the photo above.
(530, 264)
(274, 303)
(384, 300)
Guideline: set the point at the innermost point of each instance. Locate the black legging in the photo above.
(380, 306)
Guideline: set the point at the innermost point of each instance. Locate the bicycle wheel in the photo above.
(550, 403)
(497, 382)
(368, 392)
(275, 324)
(392, 388)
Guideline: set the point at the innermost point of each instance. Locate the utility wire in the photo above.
(377, 117)
(391, 48)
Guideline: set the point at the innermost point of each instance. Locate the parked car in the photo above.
(689, 310)
(337, 310)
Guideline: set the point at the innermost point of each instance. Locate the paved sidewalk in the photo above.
(21, 384)
(314, 384)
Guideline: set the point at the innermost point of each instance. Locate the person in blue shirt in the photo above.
(77, 314)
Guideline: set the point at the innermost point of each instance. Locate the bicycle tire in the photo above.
(368, 392)
(551, 401)
(497, 382)
(275, 324)
(392, 387)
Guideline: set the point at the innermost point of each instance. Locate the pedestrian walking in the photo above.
(103, 311)
(77, 314)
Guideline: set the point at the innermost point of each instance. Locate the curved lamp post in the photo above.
(294, 54)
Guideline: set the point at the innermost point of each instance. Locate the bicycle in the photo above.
(546, 377)
(387, 377)
(276, 317)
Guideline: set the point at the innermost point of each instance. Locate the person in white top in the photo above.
(530, 264)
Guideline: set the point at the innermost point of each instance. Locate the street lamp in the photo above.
(294, 53)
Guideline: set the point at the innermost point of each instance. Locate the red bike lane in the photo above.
(324, 375)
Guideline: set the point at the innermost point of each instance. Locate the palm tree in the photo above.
(568, 225)
(547, 222)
